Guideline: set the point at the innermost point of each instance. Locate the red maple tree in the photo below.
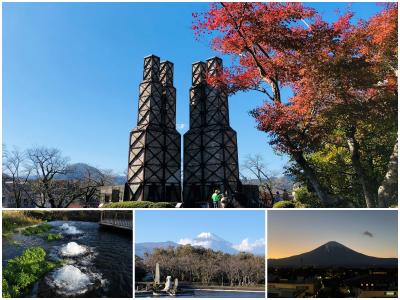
(338, 73)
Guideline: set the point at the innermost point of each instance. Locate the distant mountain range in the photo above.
(205, 239)
(280, 183)
(332, 254)
(78, 171)
(142, 248)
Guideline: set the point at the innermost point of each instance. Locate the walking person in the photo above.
(224, 200)
(216, 197)
(277, 198)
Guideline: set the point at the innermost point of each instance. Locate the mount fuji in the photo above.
(210, 240)
(332, 254)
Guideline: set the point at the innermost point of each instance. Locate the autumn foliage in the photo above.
(342, 75)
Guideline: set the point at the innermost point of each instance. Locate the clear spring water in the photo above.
(97, 262)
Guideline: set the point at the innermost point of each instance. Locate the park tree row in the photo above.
(204, 266)
(43, 177)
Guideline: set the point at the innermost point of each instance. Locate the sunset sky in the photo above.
(370, 232)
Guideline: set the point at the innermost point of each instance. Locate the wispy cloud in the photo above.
(185, 241)
(367, 233)
(210, 240)
(204, 239)
(258, 246)
(180, 125)
(195, 242)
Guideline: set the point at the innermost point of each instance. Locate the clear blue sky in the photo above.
(71, 73)
(233, 226)
(293, 232)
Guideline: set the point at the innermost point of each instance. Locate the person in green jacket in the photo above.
(216, 197)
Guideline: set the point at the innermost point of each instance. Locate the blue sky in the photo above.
(71, 73)
(233, 226)
(372, 232)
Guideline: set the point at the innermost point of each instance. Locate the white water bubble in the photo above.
(69, 229)
(73, 249)
(69, 280)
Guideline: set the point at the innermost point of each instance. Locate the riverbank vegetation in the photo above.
(54, 236)
(14, 220)
(204, 266)
(23, 271)
(42, 231)
(35, 221)
(17, 219)
(37, 230)
(70, 215)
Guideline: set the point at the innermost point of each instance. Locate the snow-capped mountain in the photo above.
(210, 241)
(207, 240)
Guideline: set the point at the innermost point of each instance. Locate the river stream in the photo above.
(96, 262)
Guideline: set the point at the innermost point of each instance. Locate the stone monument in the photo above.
(157, 275)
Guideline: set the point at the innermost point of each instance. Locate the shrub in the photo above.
(284, 204)
(162, 205)
(308, 199)
(54, 236)
(37, 230)
(23, 271)
(138, 204)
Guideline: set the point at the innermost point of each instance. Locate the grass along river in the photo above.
(86, 260)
